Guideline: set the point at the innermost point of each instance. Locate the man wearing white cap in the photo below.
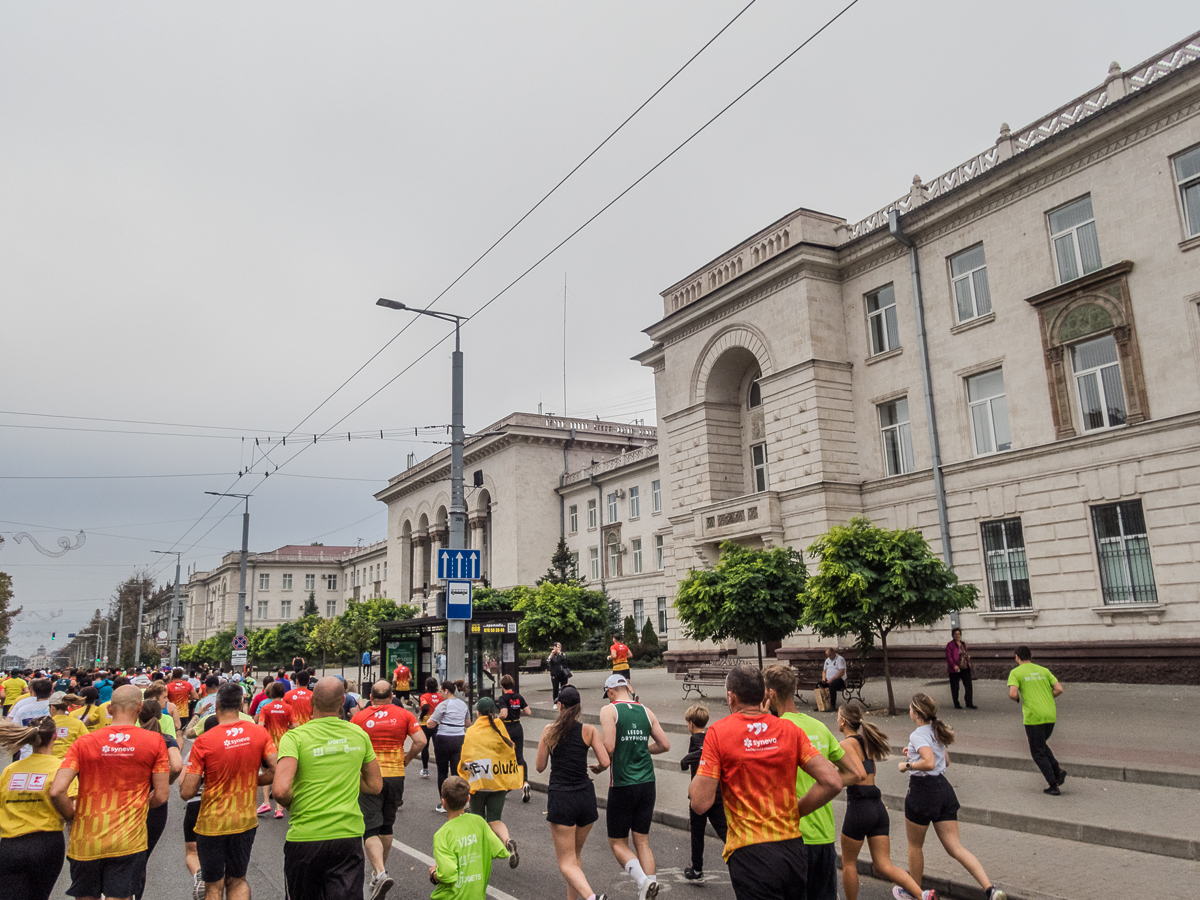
(631, 735)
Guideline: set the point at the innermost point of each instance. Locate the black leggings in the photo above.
(516, 734)
(425, 749)
(448, 749)
(31, 864)
(156, 823)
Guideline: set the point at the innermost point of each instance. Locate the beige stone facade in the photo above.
(1060, 277)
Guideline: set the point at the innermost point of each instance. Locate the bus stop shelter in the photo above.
(421, 645)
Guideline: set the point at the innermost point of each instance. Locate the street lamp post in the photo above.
(241, 609)
(456, 641)
(176, 609)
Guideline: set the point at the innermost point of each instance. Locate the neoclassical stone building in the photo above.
(1007, 358)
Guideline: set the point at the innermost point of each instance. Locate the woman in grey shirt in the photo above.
(450, 718)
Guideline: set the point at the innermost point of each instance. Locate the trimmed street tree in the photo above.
(558, 612)
(871, 581)
(752, 596)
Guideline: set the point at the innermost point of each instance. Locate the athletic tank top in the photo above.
(631, 760)
(568, 761)
(868, 764)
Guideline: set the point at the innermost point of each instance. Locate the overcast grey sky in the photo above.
(199, 205)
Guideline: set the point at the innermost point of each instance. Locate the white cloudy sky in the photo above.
(200, 203)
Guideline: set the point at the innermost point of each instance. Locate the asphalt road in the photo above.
(537, 877)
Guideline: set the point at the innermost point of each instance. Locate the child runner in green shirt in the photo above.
(463, 848)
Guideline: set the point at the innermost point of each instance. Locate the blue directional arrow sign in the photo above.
(453, 564)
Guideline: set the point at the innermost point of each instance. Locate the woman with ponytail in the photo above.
(931, 798)
(866, 817)
(31, 830)
(90, 713)
(489, 764)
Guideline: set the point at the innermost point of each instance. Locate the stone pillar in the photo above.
(419, 575)
(476, 523)
(403, 570)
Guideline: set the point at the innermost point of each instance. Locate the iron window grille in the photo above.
(1007, 568)
(1123, 549)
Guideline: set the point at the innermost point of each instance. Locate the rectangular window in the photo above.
(1098, 377)
(639, 614)
(662, 617)
(1187, 175)
(1123, 548)
(287, 581)
(575, 564)
(594, 563)
(285, 609)
(310, 582)
(612, 507)
(370, 573)
(1073, 236)
(656, 495)
(659, 561)
(385, 570)
(264, 581)
(572, 519)
(262, 609)
(636, 546)
(968, 275)
(635, 503)
(897, 437)
(881, 320)
(330, 609)
(614, 559)
(331, 582)
(591, 514)
(758, 458)
(989, 412)
(1007, 572)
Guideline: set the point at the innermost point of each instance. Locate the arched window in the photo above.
(755, 398)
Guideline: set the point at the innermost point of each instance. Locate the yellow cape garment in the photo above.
(487, 762)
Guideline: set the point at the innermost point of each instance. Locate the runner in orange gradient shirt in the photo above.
(233, 758)
(123, 770)
(181, 693)
(276, 716)
(299, 699)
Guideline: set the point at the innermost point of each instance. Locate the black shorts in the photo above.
(379, 810)
(774, 870)
(624, 673)
(930, 798)
(324, 870)
(225, 855)
(572, 808)
(114, 876)
(31, 864)
(190, 815)
(866, 816)
(630, 808)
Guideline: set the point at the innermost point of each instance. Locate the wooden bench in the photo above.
(533, 666)
(697, 679)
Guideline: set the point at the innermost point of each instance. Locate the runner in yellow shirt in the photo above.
(14, 688)
(68, 729)
(31, 830)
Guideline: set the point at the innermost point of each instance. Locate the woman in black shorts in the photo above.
(866, 817)
(571, 798)
(931, 798)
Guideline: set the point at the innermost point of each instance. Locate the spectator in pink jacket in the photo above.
(958, 667)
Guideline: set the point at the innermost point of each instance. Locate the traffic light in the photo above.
(53, 634)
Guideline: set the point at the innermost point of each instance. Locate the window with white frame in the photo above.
(639, 613)
(331, 582)
(262, 609)
(881, 320)
(656, 495)
(989, 412)
(1006, 566)
(612, 507)
(1123, 548)
(635, 546)
(594, 563)
(1098, 379)
(330, 609)
(614, 556)
(285, 609)
(385, 570)
(572, 518)
(662, 616)
(264, 581)
(897, 437)
(968, 276)
(1187, 176)
(287, 581)
(635, 502)
(310, 582)
(659, 561)
(758, 459)
(1073, 237)
(591, 514)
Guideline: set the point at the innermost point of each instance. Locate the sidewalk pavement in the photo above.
(1128, 819)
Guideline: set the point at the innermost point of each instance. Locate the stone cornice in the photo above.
(1081, 285)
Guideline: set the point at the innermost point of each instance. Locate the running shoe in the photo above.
(1053, 791)
(439, 808)
(381, 883)
(514, 858)
(649, 890)
(994, 893)
(264, 809)
(279, 813)
(929, 895)
(901, 894)
(198, 887)
(695, 875)
(525, 793)
(424, 773)
(1061, 776)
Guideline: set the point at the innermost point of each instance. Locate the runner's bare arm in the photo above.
(1014, 693)
(160, 783)
(659, 742)
(850, 767)
(592, 737)
(703, 792)
(828, 786)
(925, 762)
(285, 775)
(415, 746)
(608, 722)
(370, 780)
(1056, 689)
(267, 774)
(175, 759)
(543, 755)
(58, 793)
(190, 786)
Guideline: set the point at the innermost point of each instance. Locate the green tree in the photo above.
(360, 622)
(648, 647)
(487, 599)
(629, 634)
(310, 605)
(871, 581)
(6, 615)
(752, 596)
(558, 612)
(263, 647)
(563, 568)
(291, 639)
(327, 638)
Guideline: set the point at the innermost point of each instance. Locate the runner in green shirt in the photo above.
(1035, 688)
(817, 828)
(463, 848)
(323, 765)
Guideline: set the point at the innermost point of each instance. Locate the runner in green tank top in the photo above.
(631, 736)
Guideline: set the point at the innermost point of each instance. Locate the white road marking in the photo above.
(428, 860)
